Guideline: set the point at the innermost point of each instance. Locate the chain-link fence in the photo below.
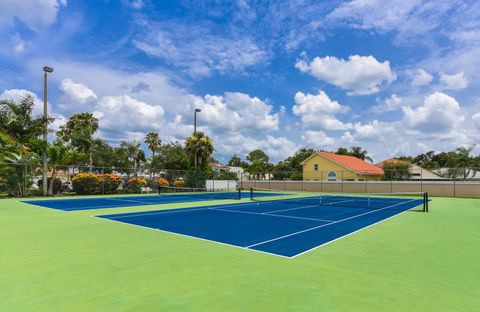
(26, 180)
(21, 180)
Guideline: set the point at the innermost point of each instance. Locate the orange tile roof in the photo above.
(353, 163)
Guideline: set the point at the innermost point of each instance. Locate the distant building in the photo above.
(217, 167)
(239, 171)
(416, 172)
(332, 167)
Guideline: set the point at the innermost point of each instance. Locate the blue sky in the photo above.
(395, 77)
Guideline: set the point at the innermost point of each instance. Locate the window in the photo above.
(315, 167)
(332, 176)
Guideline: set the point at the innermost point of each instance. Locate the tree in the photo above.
(58, 154)
(357, 151)
(171, 156)
(235, 161)
(259, 163)
(79, 131)
(199, 147)
(128, 155)
(153, 142)
(396, 170)
(291, 168)
(342, 151)
(461, 163)
(23, 129)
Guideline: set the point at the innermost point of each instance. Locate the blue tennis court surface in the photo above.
(142, 200)
(284, 227)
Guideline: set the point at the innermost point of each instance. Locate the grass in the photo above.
(69, 261)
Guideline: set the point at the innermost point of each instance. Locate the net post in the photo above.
(239, 193)
(426, 201)
(251, 193)
(159, 189)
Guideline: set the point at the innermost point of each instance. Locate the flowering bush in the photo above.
(134, 184)
(162, 182)
(109, 182)
(179, 183)
(85, 183)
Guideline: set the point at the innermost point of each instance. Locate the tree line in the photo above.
(75, 144)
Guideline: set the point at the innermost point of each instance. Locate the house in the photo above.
(332, 167)
(237, 170)
(217, 167)
(416, 172)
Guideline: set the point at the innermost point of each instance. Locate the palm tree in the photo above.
(153, 142)
(134, 153)
(58, 154)
(200, 147)
(20, 125)
(356, 151)
(79, 130)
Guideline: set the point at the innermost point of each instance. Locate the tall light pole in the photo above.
(46, 70)
(197, 110)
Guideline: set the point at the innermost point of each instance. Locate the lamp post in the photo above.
(46, 71)
(197, 110)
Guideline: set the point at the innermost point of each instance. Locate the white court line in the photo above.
(267, 214)
(186, 209)
(147, 213)
(199, 238)
(351, 233)
(323, 225)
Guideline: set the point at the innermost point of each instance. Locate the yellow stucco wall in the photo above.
(326, 165)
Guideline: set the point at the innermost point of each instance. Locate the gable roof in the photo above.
(350, 162)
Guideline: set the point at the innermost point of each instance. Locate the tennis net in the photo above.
(201, 193)
(413, 201)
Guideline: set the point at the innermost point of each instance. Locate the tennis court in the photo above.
(187, 195)
(285, 227)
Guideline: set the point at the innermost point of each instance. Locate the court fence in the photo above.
(23, 180)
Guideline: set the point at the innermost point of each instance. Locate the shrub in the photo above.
(86, 183)
(109, 182)
(57, 185)
(296, 176)
(134, 184)
(179, 183)
(162, 182)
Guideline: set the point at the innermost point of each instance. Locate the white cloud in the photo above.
(123, 113)
(476, 120)
(19, 45)
(373, 131)
(347, 137)
(359, 75)
(317, 139)
(454, 82)
(409, 18)
(439, 114)
(198, 51)
(318, 111)
(276, 148)
(237, 112)
(77, 96)
(391, 103)
(420, 77)
(33, 13)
